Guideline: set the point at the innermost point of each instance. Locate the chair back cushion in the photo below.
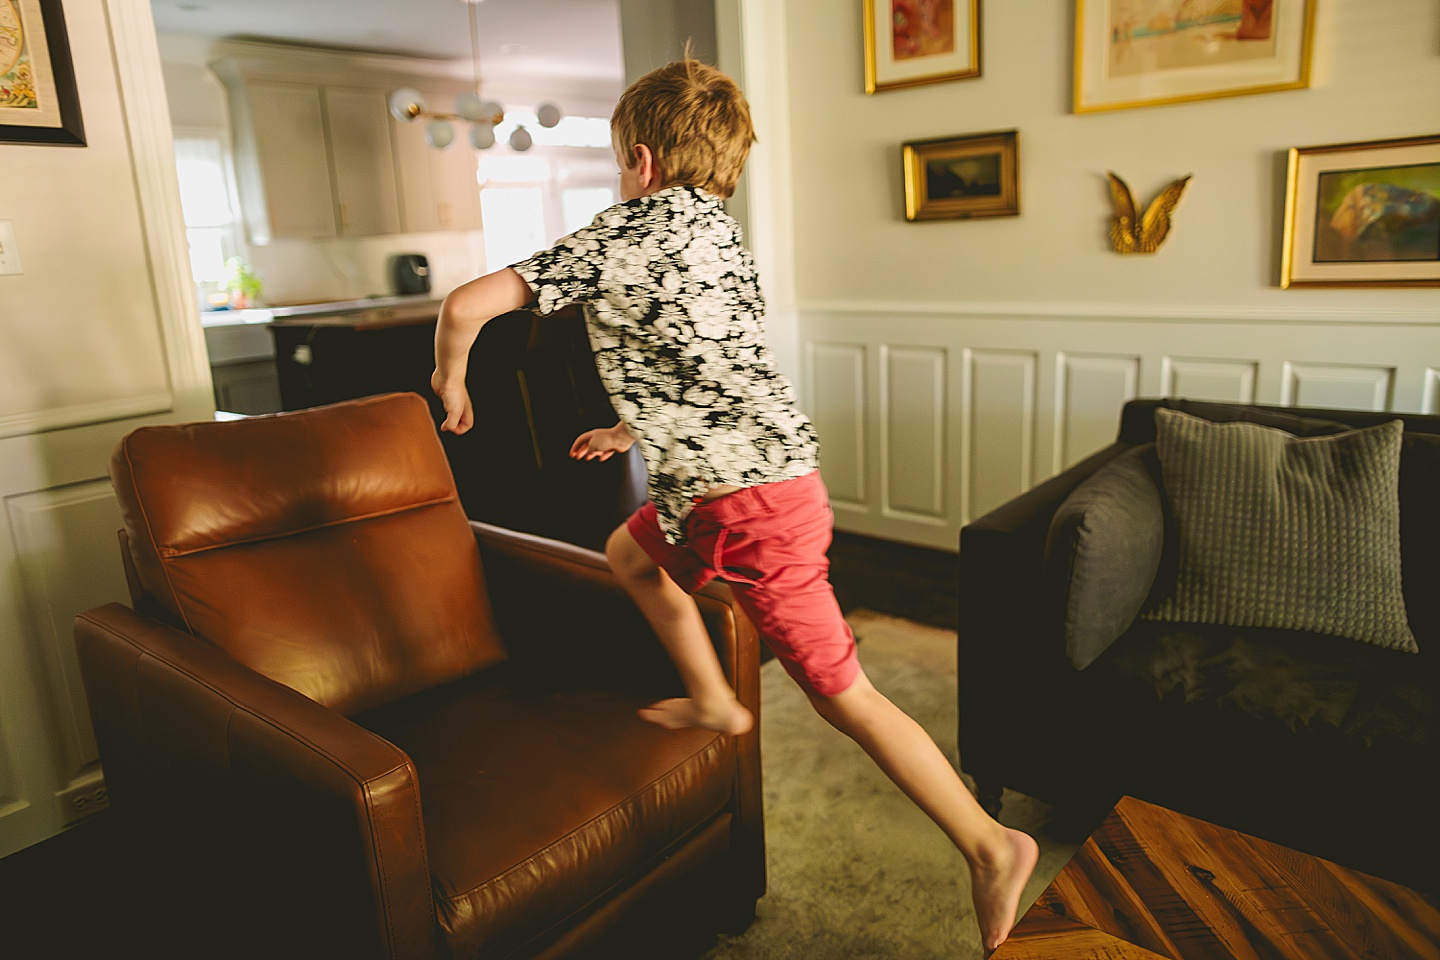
(324, 548)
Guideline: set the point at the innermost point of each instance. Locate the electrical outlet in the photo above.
(84, 799)
(9, 252)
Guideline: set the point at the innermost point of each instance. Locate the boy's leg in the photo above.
(1001, 859)
(673, 616)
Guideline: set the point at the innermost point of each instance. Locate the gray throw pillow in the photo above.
(1295, 533)
(1103, 550)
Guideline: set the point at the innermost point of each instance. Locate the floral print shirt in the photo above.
(675, 319)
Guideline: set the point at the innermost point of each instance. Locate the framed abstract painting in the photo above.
(1138, 53)
(39, 102)
(910, 42)
(1363, 214)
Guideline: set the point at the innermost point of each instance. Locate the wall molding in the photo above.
(83, 414)
(1016, 402)
(1423, 315)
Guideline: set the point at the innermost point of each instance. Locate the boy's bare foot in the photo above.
(996, 886)
(682, 712)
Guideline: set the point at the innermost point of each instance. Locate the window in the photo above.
(529, 200)
(206, 198)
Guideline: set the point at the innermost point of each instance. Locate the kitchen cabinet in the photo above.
(281, 161)
(438, 188)
(357, 122)
(313, 161)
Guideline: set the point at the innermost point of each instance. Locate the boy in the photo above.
(674, 314)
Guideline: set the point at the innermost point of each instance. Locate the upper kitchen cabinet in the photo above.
(438, 187)
(316, 156)
(362, 171)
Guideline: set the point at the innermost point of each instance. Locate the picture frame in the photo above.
(962, 177)
(912, 42)
(1363, 214)
(39, 100)
(1136, 53)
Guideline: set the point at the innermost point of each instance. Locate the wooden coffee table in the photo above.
(1151, 883)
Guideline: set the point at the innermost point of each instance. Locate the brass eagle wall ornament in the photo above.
(1143, 234)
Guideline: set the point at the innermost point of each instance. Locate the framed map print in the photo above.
(39, 102)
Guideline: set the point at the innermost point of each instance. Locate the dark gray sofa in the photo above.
(1320, 743)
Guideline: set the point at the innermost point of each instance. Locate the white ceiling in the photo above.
(518, 38)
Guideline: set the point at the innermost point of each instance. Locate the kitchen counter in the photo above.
(309, 311)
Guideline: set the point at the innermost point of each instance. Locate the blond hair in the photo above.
(695, 121)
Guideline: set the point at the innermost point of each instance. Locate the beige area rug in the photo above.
(857, 872)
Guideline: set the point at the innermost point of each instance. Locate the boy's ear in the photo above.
(646, 167)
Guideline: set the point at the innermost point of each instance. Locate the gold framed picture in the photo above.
(963, 177)
(1138, 53)
(910, 42)
(1363, 214)
(39, 102)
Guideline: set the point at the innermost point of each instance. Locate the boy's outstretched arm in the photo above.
(468, 308)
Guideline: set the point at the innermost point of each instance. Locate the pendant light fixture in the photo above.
(408, 104)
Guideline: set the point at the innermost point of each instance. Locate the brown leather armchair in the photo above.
(344, 721)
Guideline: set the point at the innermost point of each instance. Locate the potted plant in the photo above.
(242, 283)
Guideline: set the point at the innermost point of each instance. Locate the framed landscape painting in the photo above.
(1136, 53)
(960, 178)
(910, 42)
(1363, 214)
(39, 102)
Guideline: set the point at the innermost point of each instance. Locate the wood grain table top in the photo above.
(1151, 883)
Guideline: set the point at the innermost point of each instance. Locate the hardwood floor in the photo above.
(76, 895)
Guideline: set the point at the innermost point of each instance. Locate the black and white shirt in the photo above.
(674, 313)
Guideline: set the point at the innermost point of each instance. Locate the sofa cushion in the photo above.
(579, 794)
(1103, 550)
(1309, 684)
(1274, 530)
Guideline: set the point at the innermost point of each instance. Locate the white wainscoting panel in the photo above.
(1232, 381)
(998, 439)
(912, 433)
(972, 405)
(836, 374)
(69, 559)
(1091, 385)
(1341, 386)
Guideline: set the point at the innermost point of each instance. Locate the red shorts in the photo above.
(768, 542)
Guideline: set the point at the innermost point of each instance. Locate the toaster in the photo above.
(410, 273)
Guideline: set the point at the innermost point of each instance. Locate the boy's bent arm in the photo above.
(468, 308)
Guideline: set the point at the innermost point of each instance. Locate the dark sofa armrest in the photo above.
(275, 795)
(1001, 555)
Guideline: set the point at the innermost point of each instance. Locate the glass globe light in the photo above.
(482, 136)
(406, 103)
(439, 133)
(548, 114)
(520, 140)
(470, 106)
(490, 110)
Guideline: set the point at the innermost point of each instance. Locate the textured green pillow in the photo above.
(1273, 530)
(1103, 550)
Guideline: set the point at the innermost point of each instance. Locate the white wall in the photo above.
(97, 336)
(950, 364)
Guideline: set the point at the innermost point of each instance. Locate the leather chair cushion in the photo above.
(582, 795)
(352, 578)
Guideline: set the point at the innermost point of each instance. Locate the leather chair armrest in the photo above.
(267, 789)
(598, 635)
